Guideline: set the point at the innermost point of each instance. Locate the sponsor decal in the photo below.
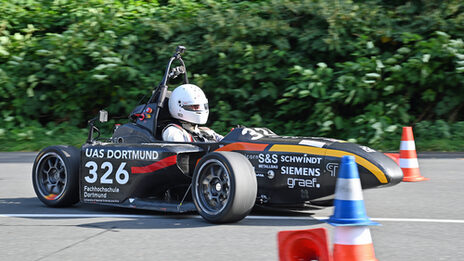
(302, 183)
(106, 179)
(257, 133)
(270, 174)
(332, 168)
(251, 156)
(331, 153)
(367, 149)
(300, 171)
(101, 189)
(102, 181)
(268, 158)
(300, 159)
(313, 143)
(95, 192)
(121, 175)
(254, 135)
(268, 161)
(270, 164)
(121, 154)
(267, 166)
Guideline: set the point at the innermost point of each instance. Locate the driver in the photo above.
(189, 105)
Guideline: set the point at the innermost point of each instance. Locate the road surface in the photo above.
(420, 221)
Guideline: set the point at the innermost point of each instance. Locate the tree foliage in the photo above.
(347, 69)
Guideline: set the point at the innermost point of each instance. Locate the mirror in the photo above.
(103, 116)
(180, 49)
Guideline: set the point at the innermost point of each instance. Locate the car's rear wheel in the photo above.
(55, 176)
(224, 187)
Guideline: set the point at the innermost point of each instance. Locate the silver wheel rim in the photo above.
(212, 187)
(51, 176)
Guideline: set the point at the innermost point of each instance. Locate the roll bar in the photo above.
(159, 94)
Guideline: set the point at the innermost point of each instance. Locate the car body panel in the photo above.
(290, 171)
(152, 169)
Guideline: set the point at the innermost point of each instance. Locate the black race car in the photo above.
(221, 180)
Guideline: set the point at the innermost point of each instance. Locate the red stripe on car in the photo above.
(166, 162)
(243, 146)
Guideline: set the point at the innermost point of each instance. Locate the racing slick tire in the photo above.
(55, 176)
(224, 187)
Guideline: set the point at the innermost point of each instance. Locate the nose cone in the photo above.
(392, 171)
(375, 168)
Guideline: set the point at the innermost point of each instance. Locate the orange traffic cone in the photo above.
(408, 157)
(309, 244)
(353, 243)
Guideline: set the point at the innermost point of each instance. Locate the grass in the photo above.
(440, 145)
(424, 144)
(74, 137)
(37, 137)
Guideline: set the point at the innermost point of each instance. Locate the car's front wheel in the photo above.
(224, 187)
(55, 176)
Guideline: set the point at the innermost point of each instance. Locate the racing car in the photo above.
(223, 180)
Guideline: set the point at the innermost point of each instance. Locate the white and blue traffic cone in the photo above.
(349, 204)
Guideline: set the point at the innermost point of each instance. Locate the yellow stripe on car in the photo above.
(331, 153)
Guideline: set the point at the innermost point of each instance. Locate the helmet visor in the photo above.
(195, 107)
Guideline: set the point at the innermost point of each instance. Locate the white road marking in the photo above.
(417, 220)
(76, 216)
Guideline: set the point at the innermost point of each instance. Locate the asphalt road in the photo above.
(420, 221)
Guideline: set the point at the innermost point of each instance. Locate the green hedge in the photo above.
(355, 70)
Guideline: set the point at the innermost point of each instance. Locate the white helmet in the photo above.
(189, 103)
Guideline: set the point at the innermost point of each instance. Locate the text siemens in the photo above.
(301, 171)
